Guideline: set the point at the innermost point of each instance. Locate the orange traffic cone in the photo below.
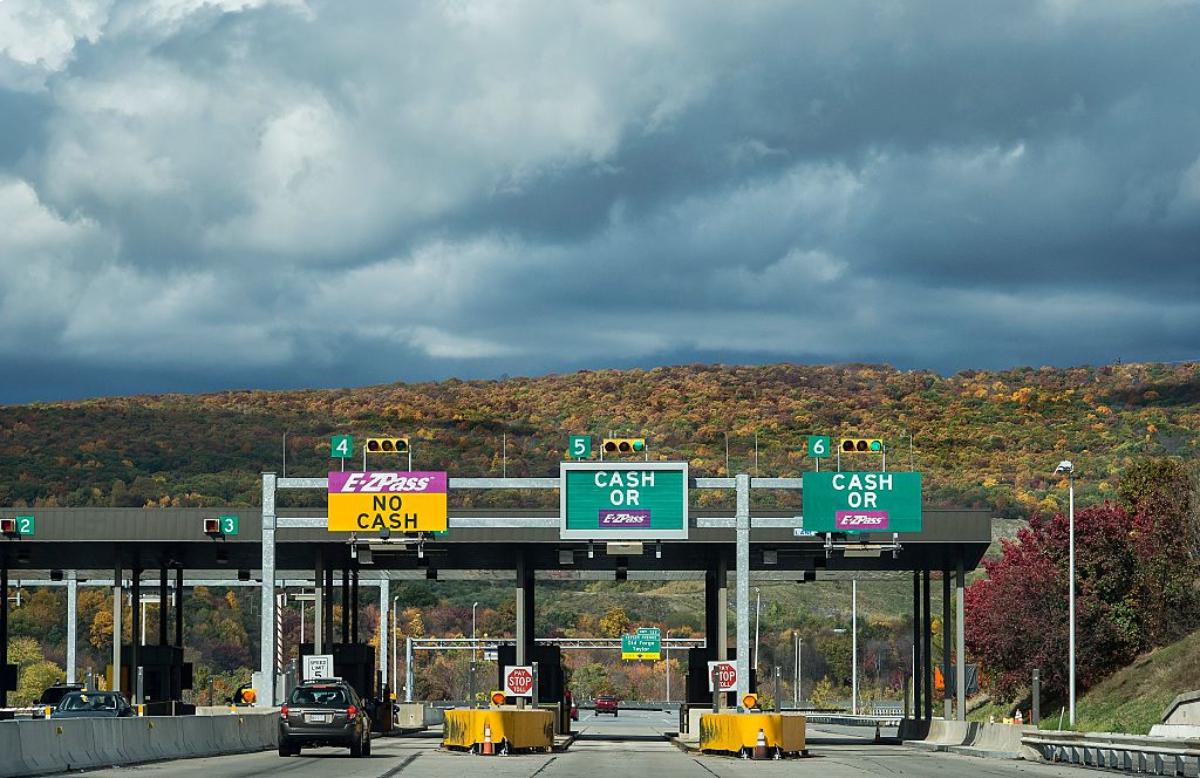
(760, 746)
(487, 749)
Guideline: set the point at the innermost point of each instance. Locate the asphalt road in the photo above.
(629, 745)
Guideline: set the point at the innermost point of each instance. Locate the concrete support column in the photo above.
(525, 610)
(385, 628)
(162, 605)
(72, 622)
(266, 625)
(927, 630)
(328, 614)
(179, 606)
(318, 605)
(135, 630)
(3, 632)
(345, 605)
(742, 577)
(716, 605)
(409, 670)
(918, 675)
(947, 700)
(354, 605)
(116, 621)
(960, 645)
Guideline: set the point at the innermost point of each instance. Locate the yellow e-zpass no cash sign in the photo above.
(398, 502)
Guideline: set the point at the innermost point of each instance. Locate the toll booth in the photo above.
(164, 677)
(697, 676)
(354, 663)
(551, 679)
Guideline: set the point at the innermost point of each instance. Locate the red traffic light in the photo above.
(212, 527)
(8, 526)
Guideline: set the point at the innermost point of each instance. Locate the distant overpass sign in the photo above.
(862, 502)
(399, 502)
(623, 500)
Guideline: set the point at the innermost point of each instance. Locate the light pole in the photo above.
(285, 434)
(474, 655)
(395, 679)
(797, 691)
(1065, 466)
(757, 617)
(854, 648)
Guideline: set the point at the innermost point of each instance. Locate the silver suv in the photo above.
(324, 712)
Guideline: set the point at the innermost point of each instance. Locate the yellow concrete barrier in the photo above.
(733, 732)
(518, 729)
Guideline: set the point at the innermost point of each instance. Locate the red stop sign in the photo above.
(519, 681)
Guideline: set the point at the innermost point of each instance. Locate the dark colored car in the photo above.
(54, 694)
(324, 713)
(606, 703)
(85, 705)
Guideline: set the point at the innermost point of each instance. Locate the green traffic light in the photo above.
(638, 445)
(876, 445)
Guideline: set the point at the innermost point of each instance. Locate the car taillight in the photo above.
(283, 712)
(351, 712)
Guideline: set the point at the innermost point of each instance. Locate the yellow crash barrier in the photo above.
(734, 732)
(506, 728)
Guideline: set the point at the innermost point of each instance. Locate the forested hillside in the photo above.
(983, 438)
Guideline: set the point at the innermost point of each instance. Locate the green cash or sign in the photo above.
(862, 502)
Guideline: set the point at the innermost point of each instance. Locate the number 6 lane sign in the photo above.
(818, 446)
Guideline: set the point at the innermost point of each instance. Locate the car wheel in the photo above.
(367, 746)
(284, 748)
(356, 748)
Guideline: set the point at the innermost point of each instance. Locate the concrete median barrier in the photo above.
(39, 747)
(996, 741)
(943, 734)
(733, 733)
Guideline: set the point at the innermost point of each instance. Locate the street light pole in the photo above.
(395, 679)
(757, 618)
(1067, 467)
(667, 649)
(854, 648)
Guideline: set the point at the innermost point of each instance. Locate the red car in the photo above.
(606, 703)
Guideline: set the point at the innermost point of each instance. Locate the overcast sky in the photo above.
(197, 194)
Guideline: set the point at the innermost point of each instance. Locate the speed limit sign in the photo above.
(818, 446)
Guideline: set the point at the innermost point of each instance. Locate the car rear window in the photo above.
(88, 702)
(319, 697)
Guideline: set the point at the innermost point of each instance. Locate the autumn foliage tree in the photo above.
(1134, 573)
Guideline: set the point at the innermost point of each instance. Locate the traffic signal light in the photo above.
(624, 445)
(8, 527)
(387, 445)
(212, 528)
(862, 445)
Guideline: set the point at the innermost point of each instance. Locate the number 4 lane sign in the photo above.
(341, 446)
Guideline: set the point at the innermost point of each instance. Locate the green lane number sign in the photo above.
(229, 525)
(613, 501)
(818, 446)
(646, 643)
(341, 446)
(862, 502)
(580, 446)
(25, 525)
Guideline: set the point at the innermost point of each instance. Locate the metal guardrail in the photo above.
(846, 720)
(1131, 753)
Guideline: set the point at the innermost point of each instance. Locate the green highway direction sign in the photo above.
(25, 525)
(622, 501)
(579, 446)
(228, 524)
(818, 446)
(862, 502)
(341, 446)
(645, 644)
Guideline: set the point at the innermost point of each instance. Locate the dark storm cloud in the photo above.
(278, 193)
